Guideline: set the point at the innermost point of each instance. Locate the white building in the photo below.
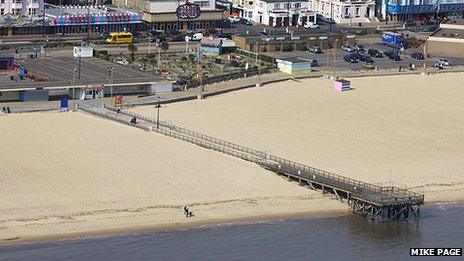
(281, 12)
(345, 11)
(244, 8)
(169, 6)
(21, 7)
(161, 15)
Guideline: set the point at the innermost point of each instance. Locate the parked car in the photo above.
(176, 36)
(394, 56)
(157, 39)
(388, 53)
(310, 25)
(359, 48)
(417, 56)
(350, 59)
(366, 59)
(194, 36)
(104, 35)
(374, 53)
(246, 22)
(314, 63)
(154, 33)
(314, 49)
(444, 62)
(234, 19)
(438, 66)
(369, 66)
(356, 55)
(410, 23)
(348, 48)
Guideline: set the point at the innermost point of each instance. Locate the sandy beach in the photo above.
(410, 126)
(72, 174)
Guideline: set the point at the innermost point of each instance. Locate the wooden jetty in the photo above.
(383, 203)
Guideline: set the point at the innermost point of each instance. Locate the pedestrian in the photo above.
(8, 110)
(401, 67)
(186, 211)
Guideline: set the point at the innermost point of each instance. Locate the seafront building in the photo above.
(416, 10)
(281, 12)
(21, 7)
(63, 20)
(345, 11)
(161, 14)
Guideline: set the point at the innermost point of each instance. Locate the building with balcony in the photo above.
(281, 12)
(21, 7)
(407, 10)
(345, 11)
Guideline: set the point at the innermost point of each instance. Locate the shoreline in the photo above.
(176, 226)
(156, 228)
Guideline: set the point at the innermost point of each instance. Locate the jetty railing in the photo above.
(198, 135)
(95, 111)
(209, 145)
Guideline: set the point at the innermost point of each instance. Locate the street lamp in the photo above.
(110, 78)
(157, 107)
(74, 89)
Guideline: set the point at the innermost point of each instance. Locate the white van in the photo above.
(194, 37)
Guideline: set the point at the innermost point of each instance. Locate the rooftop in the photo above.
(449, 33)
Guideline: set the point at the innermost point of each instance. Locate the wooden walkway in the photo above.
(384, 203)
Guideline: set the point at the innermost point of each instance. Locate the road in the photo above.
(326, 59)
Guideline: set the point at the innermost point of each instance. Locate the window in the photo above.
(32, 11)
(2, 1)
(2, 11)
(17, 2)
(17, 11)
(276, 6)
(297, 5)
(202, 3)
(347, 11)
(357, 11)
(33, 1)
(286, 5)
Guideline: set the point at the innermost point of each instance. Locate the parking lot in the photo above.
(326, 59)
(58, 71)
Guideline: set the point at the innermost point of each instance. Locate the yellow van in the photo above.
(120, 38)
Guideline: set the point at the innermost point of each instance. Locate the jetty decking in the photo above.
(384, 203)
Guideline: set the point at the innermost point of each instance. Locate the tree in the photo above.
(132, 49)
(164, 46)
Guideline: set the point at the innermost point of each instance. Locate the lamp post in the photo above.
(110, 78)
(43, 21)
(258, 62)
(74, 89)
(157, 107)
(334, 49)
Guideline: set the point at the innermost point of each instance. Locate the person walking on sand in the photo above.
(186, 211)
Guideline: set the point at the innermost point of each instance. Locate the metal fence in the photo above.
(113, 117)
(208, 145)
